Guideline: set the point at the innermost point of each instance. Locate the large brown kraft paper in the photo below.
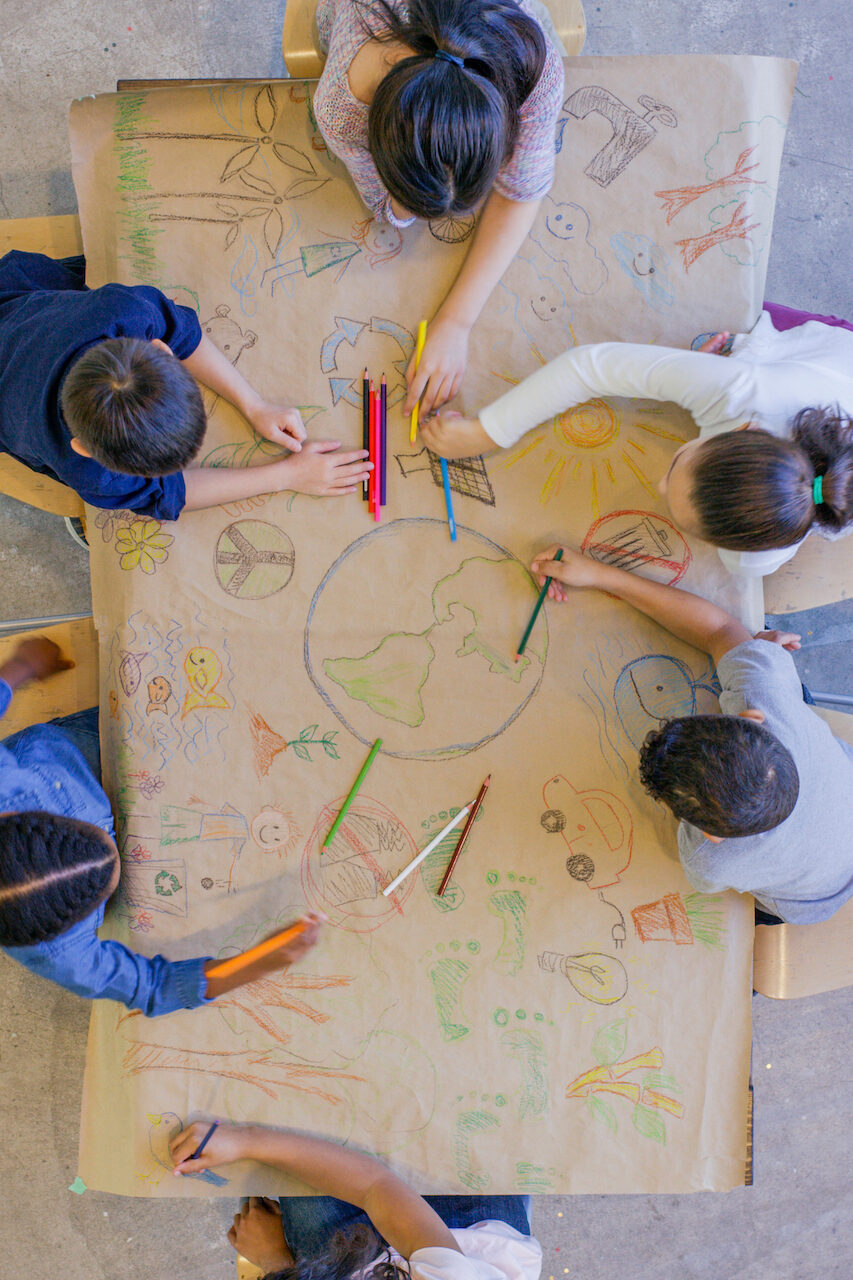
(571, 1016)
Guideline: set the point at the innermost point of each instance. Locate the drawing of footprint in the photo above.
(448, 976)
(565, 240)
(510, 907)
(468, 1125)
(526, 1048)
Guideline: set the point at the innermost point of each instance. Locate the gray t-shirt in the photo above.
(802, 870)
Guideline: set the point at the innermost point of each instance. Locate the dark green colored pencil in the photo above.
(535, 614)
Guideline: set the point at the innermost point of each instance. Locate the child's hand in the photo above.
(293, 951)
(258, 1234)
(320, 469)
(787, 639)
(451, 436)
(441, 368)
(36, 659)
(280, 425)
(574, 570)
(228, 1143)
(714, 345)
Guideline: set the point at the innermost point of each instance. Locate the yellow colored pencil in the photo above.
(419, 347)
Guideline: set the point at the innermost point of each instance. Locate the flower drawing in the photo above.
(142, 545)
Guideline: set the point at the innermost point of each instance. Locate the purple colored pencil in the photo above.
(383, 442)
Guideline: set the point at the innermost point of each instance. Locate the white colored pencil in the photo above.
(454, 822)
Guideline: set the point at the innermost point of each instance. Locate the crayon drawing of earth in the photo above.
(412, 638)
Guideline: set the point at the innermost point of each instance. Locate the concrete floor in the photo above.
(796, 1222)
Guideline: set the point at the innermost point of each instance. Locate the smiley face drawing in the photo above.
(647, 267)
(274, 830)
(596, 826)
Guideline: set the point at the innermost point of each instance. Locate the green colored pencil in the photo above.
(352, 795)
(535, 614)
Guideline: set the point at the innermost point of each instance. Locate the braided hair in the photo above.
(753, 491)
(53, 873)
(439, 128)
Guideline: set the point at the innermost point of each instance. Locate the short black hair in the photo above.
(727, 775)
(52, 875)
(134, 407)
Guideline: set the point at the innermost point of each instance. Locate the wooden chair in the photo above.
(304, 60)
(793, 960)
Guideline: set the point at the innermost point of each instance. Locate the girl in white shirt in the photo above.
(414, 1231)
(755, 494)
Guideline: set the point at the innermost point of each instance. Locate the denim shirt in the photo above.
(41, 769)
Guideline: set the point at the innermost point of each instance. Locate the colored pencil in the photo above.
(448, 499)
(535, 614)
(235, 963)
(370, 443)
(353, 792)
(457, 852)
(377, 456)
(416, 861)
(419, 347)
(201, 1146)
(365, 426)
(383, 400)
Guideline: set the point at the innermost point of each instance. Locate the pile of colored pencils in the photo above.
(374, 438)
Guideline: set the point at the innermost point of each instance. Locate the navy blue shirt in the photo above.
(41, 769)
(47, 319)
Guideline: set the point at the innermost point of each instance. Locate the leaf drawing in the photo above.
(649, 1124)
(273, 231)
(240, 159)
(297, 160)
(265, 109)
(602, 1112)
(304, 187)
(255, 183)
(609, 1043)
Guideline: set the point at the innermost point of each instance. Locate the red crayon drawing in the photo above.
(735, 229)
(680, 197)
(596, 825)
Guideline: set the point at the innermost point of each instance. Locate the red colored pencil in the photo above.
(377, 456)
(457, 853)
(365, 426)
(371, 443)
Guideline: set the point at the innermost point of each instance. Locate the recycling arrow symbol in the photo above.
(349, 331)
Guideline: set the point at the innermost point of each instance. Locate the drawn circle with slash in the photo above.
(639, 540)
(253, 559)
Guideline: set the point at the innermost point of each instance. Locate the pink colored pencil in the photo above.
(377, 456)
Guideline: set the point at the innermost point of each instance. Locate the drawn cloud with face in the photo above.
(646, 266)
(539, 304)
(565, 240)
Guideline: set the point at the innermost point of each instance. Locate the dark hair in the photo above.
(348, 1254)
(727, 775)
(753, 491)
(135, 407)
(439, 132)
(52, 874)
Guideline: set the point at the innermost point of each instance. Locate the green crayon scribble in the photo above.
(468, 1125)
(510, 907)
(448, 976)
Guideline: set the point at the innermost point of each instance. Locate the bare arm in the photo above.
(689, 617)
(279, 423)
(501, 229)
(399, 1214)
(319, 468)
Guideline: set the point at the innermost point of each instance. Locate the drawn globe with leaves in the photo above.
(412, 638)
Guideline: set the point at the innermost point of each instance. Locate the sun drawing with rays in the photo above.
(589, 441)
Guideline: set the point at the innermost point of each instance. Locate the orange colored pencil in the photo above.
(235, 963)
(457, 853)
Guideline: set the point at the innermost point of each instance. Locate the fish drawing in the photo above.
(204, 671)
(130, 671)
(159, 693)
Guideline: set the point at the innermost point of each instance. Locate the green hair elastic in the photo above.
(817, 490)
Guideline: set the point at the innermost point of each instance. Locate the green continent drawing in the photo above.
(389, 678)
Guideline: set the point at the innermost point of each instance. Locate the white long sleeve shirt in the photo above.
(768, 378)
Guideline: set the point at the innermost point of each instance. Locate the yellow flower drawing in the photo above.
(141, 545)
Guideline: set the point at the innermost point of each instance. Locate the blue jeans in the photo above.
(82, 729)
(310, 1221)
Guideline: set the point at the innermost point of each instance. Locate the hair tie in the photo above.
(817, 490)
(449, 57)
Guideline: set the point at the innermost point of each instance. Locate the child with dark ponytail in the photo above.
(436, 106)
(753, 493)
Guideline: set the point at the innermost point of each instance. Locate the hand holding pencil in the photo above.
(281, 949)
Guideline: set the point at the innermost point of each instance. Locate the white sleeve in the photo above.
(716, 391)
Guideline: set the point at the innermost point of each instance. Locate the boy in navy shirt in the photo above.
(59, 865)
(98, 389)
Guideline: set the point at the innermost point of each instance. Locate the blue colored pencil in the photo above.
(448, 498)
(201, 1146)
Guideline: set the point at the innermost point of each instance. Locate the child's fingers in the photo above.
(185, 1143)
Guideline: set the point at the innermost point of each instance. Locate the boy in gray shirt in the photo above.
(763, 791)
